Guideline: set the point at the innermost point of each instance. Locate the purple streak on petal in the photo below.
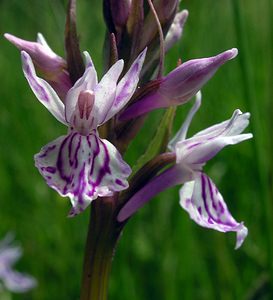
(42, 90)
(207, 143)
(39, 89)
(51, 148)
(205, 198)
(127, 86)
(85, 167)
(171, 177)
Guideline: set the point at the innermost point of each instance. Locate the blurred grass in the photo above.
(162, 253)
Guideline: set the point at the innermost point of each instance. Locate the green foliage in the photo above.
(158, 143)
(162, 253)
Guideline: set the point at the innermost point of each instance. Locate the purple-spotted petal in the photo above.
(127, 86)
(206, 206)
(82, 168)
(42, 90)
(17, 282)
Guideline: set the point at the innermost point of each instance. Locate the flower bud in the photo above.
(180, 85)
(176, 30)
(52, 67)
(116, 14)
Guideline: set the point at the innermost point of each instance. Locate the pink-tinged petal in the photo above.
(18, 282)
(88, 81)
(170, 177)
(42, 41)
(42, 90)
(176, 30)
(127, 86)
(42, 55)
(206, 206)
(206, 144)
(105, 91)
(12, 280)
(83, 120)
(180, 85)
(9, 255)
(82, 168)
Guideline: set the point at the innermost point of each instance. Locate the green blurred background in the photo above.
(162, 254)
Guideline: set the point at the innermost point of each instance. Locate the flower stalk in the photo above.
(102, 237)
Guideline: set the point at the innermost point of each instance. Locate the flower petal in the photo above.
(83, 168)
(18, 282)
(182, 133)
(206, 206)
(87, 82)
(105, 91)
(235, 125)
(127, 86)
(42, 90)
(207, 143)
(9, 255)
(42, 55)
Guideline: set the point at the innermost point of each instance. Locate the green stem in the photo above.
(103, 233)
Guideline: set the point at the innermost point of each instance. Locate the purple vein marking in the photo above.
(35, 85)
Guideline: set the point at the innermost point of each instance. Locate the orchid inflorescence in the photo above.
(103, 116)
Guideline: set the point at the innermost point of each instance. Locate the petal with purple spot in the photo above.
(206, 206)
(82, 168)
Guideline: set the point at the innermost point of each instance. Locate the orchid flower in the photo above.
(13, 280)
(52, 67)
(176, 30)
(180, 85)
(81, 165)
(199, 196)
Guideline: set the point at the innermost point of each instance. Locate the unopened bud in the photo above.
(176, 30)
(51, 66)
(180, 85)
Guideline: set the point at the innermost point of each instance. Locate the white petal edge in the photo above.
(127, 86)
(105, 91)
(206, 207)
(82, 168)
(42, 90)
